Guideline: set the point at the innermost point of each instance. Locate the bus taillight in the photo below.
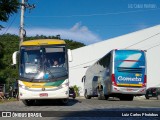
(145, 81)
(113, 80)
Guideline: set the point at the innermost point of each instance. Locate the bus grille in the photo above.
(129, 70)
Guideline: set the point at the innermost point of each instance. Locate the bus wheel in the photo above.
(106, 97)
(100, 94)
(158, 97)
(146, 97)
(28, 102)
(64, 101)
(87, 96)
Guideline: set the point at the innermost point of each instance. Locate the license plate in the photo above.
(128, 89)
(149, 95)
(43, 94)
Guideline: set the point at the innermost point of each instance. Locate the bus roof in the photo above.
(43, 42)
(130, 50)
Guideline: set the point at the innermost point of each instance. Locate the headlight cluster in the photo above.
(22, 86)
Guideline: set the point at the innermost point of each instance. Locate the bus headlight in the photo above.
(22, 86)
(65, 85)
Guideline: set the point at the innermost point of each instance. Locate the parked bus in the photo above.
(38, 77)
(120, 73)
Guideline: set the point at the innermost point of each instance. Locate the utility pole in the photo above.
(24, 5)
(22, 22)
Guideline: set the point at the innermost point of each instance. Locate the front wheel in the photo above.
(100, 95)
(64, 101)
(146, 97)
(158, 97)
(87, 96)
(106, 97)
(28, 102)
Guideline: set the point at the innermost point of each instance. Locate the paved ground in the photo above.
(93, 108)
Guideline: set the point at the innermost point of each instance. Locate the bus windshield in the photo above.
(43, 63)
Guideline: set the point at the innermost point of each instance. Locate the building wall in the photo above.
(144, 39)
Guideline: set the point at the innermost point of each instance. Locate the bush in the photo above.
(76, 89)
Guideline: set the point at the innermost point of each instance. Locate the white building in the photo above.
(147, 39)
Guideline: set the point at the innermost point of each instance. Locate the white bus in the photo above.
(120, 73)
(38, 77)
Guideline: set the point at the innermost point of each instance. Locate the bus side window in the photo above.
(95, 78)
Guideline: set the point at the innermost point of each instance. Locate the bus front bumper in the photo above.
(46, 94)
(129, 90)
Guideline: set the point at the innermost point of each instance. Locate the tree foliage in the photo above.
(7, 8)
(10, 43)
(1, 50)
(1, 55)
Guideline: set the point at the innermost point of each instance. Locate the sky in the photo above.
(86, 21)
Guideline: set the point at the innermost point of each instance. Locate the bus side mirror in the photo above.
(14, 58)
(70, 58)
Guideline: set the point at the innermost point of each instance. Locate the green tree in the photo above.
(1, 55)
(10, 43)
(76, 89)
(1, 50)
(7, 8)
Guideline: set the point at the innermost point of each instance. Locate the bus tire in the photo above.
(106, 97)
(28, 102)
(158, 97)
(146, 97)
(64, 101)
(100, 95)
(87, 96)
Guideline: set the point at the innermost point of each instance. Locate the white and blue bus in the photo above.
(120, 73)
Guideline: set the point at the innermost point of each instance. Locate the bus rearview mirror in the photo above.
(70, 58)
(14, 58)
